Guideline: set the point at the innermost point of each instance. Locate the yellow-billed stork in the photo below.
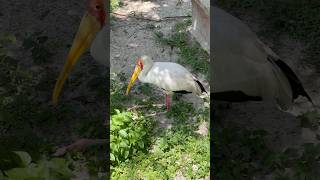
(169, 76)
(91, 32)
(244, 69)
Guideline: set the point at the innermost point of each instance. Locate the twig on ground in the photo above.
(156, 113)
(144, 106)
(80, 145)
(141, 17)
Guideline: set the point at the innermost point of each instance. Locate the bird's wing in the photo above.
(231, 35)
(172, 77)
(241, 62)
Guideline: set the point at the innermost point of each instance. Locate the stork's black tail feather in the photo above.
(296, 86)
(200, 85)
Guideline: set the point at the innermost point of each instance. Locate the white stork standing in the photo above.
(169, 76)
(244, 69)
(91, 32)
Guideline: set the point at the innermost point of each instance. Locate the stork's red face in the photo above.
(136, 72)
(96, 9)
(139, 63)
(91, 23)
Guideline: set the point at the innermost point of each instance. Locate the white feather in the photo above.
(240, 62)
(169, 76)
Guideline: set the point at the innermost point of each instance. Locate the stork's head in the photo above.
(91, 23)
(142, 63)
(96, 8)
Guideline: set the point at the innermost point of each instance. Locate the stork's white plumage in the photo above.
(169, 76)
(245, 69)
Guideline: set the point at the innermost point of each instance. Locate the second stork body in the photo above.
(169, 76)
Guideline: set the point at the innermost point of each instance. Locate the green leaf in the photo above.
(2, 176)
(112, 157)
(123, 133)
(61, 166)
(25, 158)
(21, 173)
(126, 154)
(123, 144)
(9, 160)
(141, 144)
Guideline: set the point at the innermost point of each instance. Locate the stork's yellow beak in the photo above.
(87, 31)
(134, 76)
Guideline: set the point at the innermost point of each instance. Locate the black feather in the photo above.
(200, 85)
(295, 83)
(182, 92)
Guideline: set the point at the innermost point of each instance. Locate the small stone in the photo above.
(195, 168)
(203, 129)
(179, 176)
(132, 45)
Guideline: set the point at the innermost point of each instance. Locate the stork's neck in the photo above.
(146, 68)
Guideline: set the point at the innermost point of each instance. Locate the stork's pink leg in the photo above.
(167, 102)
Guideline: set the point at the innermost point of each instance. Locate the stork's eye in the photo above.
(98, 7)
(140, 64)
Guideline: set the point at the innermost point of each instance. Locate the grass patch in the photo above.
(191, 53)
(140, 149)
(172, 153)
(114, 4)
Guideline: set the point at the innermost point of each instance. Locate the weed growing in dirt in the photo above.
(244, 154)
(310, 120)
(20, 165)
(191, 53)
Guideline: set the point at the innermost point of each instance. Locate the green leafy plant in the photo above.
(175, 150)
(114, 4)
(129, 134)
(310, 120)
(191, 53)
(23, 167)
